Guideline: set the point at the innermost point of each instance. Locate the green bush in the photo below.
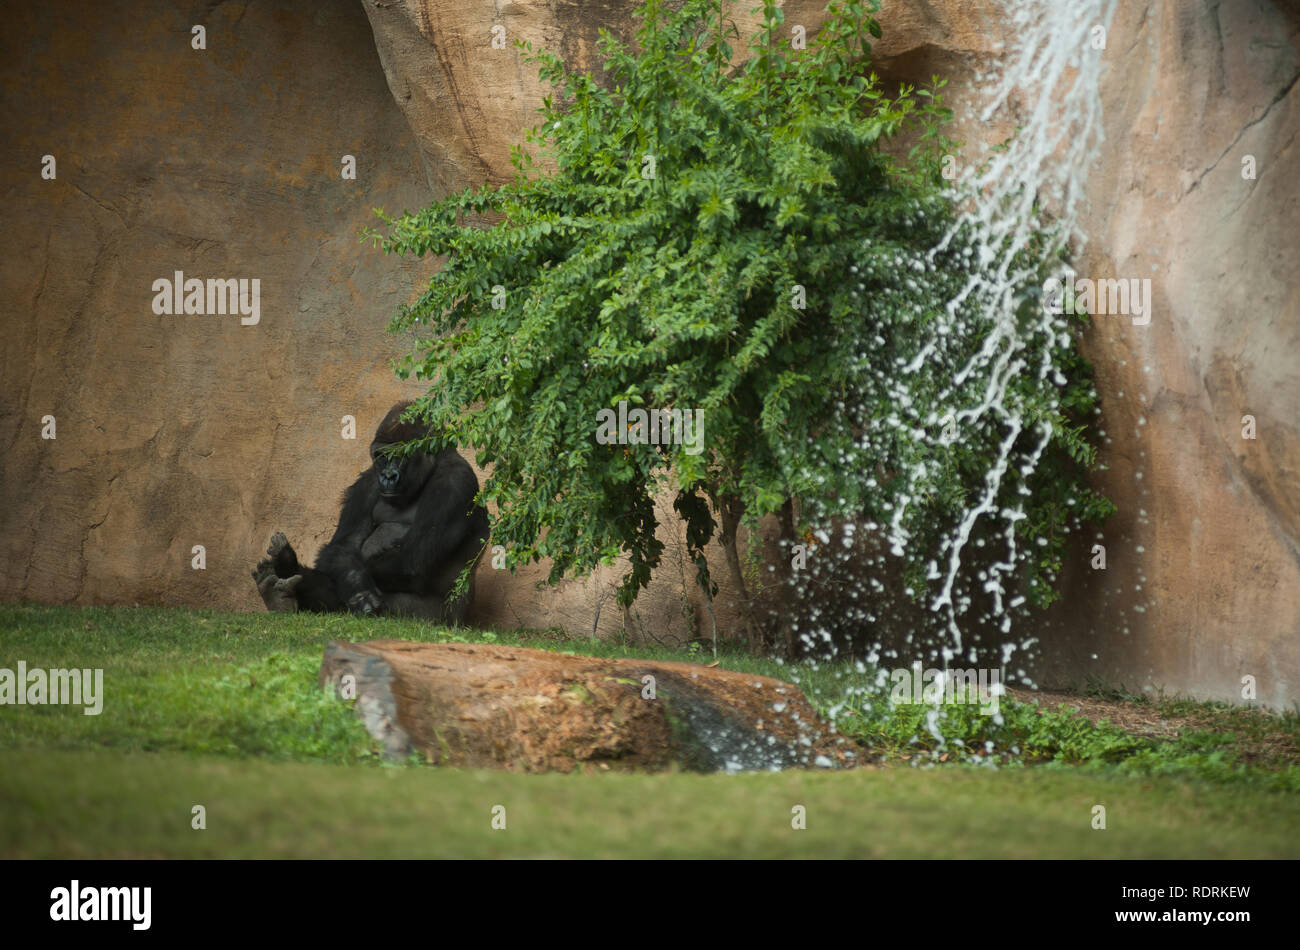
(750, 242)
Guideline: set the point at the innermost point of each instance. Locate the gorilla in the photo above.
(409, 526)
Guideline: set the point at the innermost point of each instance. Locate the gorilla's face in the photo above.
(400, 479)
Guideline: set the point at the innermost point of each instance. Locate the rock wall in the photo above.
(176, 431)
(1202, 582)
(1202, 586)
(195, 430)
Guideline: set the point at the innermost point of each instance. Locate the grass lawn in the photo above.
(221, 710)
(101, 804)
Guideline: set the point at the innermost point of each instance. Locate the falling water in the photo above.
(1056, 68)
(1020, 205)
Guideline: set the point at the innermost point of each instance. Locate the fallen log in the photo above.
(490, 706)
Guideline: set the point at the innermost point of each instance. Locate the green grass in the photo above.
(96, 804)
(1234, 745)
(219, 683)
(244, 685)
(222, 709)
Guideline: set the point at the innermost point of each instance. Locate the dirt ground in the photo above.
(1139, 719)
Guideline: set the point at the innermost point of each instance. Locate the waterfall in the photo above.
(1056, 67)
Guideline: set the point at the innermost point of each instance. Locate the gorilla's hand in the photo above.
(366, 603)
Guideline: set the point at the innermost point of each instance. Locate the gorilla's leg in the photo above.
(423, 606)
(283, 556)
(431, 606)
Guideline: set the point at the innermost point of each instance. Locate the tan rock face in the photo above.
(1202, 586)
(177, 431)
(476, 706)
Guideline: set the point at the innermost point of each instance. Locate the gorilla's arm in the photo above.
(341, 558)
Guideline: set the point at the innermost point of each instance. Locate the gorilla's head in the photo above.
(400, 479)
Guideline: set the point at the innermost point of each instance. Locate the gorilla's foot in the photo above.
(265, 568)
(278, 543)
(280, 594)
(279, 589)
(283, 556)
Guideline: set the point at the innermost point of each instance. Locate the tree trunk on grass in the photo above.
(787, 595)
(470, 705)
(732, 508)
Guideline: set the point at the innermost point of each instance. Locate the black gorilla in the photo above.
(408, 528)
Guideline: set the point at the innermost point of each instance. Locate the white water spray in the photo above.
(1056, 69)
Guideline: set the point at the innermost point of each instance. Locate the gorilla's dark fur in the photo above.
(408, 528)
